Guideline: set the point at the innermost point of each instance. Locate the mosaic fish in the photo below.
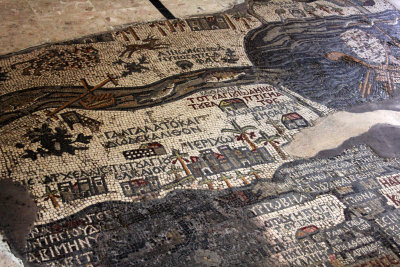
(222, 76)
(159, 94)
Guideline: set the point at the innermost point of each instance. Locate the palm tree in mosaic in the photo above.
(170, 26)
(180, 24)
(175, 171)
(189, 178)
(310, 9)
(178, 156)
(255, 173)
(323, 8)
(280, 130)
(51, 194)
(207, 181)
(157, 25)
(226, 178)
(271, 140)
(244, 17)
(337, 10)
(242, 132)
(242, 177)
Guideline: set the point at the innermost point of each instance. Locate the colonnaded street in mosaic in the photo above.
(169, 143)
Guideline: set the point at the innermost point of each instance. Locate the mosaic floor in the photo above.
(267, 135)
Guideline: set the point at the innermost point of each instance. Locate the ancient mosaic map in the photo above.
(164, 143)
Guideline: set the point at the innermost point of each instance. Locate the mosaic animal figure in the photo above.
(160, 94)
(222, 76)
(150, 44)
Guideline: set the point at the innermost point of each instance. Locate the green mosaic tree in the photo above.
(207, 181)
(225, 178)
(242, 177)
(179, 156)
(175, 171)
(254, 172)
(271, 140)
(243, 133)
(51, 194)
(279, 129)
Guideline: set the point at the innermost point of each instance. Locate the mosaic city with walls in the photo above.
(165, 143)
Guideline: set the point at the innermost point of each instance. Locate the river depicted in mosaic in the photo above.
(165, 143)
